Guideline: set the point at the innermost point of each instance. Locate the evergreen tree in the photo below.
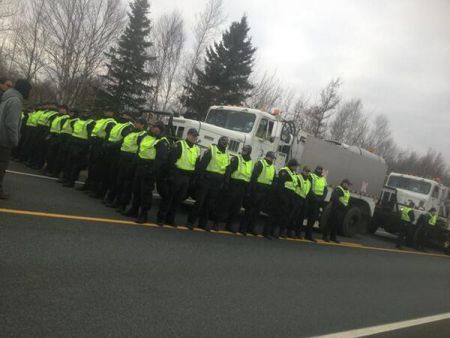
(228, 65)
(127, 77)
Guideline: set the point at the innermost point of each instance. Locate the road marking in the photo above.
(38, 176)
(387, 327)
(184, 228)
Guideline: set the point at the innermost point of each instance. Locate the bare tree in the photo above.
(30, 39)
(209, 21)
(7, 11)
(79, 31)
(350, 124)
(380, 139)
(168, 37)
(266, 92)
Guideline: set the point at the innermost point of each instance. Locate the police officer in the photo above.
(127, 165)
(340, 199)
(111, 157)
(78, 148)
(258, 194)
(30, 142)
(210, 179)
(285, 188)
(406, 219)
(183, 160)
(54, 139)
(96, 168)
(315, 200)
(237, 178)
(299, 211)
(62, 158)
(43, 129)
(425, 224)
(152, 153)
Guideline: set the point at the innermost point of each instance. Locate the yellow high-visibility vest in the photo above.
(244, 170)
(319, 183)
(189, 156)
(405, 214)
(293, 183)
(344, 200)
(219, 161)
(129, 144)
(267, 174)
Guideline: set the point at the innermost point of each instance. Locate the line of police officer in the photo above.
(125, 161)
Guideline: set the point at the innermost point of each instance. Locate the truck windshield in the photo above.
(409, 184)
(232, 120)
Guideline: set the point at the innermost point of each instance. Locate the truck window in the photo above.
(233, 120)
(409, 184)
(262, 129)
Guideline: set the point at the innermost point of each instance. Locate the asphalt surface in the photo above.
(61, 276)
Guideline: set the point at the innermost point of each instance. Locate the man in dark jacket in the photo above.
(210, 179)
(237, 178)
(11, 106)
(340, 199)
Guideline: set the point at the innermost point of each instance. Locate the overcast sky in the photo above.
(393, 54)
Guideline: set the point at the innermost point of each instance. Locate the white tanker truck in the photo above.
(268, 132)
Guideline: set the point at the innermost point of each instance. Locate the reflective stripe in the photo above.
(34, 118)
(147, 148)
(44, 119)
(100, 127)
(319, 184)
(433, 219)
(345, 200)
(267, 174)
(244, 170)
(130, 144)
(116, 132)
(80, 129)
(189, 156)
(57, 124)
(219, 161)
(405, 214)
(293, 183)
(67, 127)
(304, 186)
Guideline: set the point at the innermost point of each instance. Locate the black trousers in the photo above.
(111, 163)
(95, 171)
(30, 145)
(423, 233)
(40, 151)
(77, 158)
(206, 198)
(230, 206)
(178, 187)
(52, 152)
(254, 204)
(280, 214)
(25, 146)
(62, 159)
(335, 219)
(125, 176)
(143, 185)
(402, 233)
(314, 205)
(297, 215)
(5, 154)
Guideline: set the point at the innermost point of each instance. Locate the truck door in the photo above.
(263, 141)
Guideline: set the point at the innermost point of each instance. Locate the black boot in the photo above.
(131, 212)
(142, 217)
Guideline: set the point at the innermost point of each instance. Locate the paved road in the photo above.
(67, 276)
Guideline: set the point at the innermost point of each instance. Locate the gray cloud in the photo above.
(394, 55)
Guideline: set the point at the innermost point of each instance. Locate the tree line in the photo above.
(98, 53)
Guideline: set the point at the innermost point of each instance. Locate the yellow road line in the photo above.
(183, 228)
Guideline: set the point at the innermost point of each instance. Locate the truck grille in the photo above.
(234, 146)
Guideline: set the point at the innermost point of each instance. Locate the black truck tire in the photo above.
(352, 222)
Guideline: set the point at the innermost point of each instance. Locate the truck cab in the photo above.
(243, 126)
